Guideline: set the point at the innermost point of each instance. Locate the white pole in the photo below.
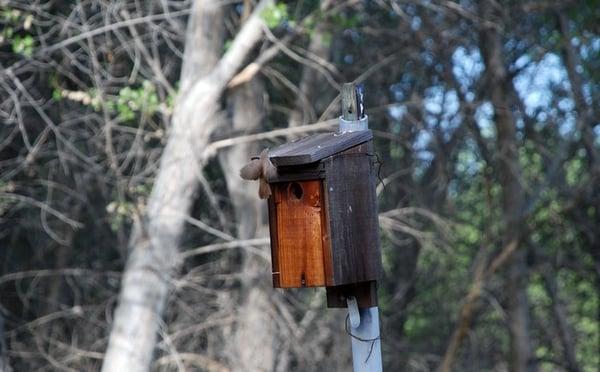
(366, 343)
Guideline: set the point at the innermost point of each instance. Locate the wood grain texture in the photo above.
(273, 235)
(301, 238)
(349, 103)
(352, 214)
(316, 147)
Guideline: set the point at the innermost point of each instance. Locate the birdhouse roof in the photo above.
(316, 147)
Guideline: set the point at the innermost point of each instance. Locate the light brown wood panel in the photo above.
(302, 240)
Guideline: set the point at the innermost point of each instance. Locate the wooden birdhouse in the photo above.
(323, 215)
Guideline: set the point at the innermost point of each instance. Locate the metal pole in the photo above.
(361, 324)
(366, 344)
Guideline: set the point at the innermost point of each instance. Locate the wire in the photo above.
(371, 340)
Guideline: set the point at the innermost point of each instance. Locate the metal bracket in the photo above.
(353, 125)
(353, 312)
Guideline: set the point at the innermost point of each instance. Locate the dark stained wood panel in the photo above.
(316, 147)
(300, 234)
(312, 171)
(353, 223)
(365, 293)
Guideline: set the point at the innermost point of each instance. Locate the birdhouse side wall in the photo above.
(352, 213)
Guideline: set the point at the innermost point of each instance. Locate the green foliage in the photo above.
(122, 212)
(274, 15)
(15, 21)
(132, 101)
(538, 296)
(227, 45)
(56, 94)
(575, 171)
(129, 103)
(23, 45)
(171, 98)
(581, 298)
(6, 33)
(119, 212)
(327, 38)
(11, 15)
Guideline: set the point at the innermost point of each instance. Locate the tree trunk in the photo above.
(571, 61)
(255, 345)
(253, 342)
(4, 365)
(560, 315)
(155, 238)
(509, 171)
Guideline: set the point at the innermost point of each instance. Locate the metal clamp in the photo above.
(354, 125)
(353, 312)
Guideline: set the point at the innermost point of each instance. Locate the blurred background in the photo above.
(128, 239)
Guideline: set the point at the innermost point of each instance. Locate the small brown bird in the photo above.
(261, 169)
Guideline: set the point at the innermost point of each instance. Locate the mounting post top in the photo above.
(353, 117)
